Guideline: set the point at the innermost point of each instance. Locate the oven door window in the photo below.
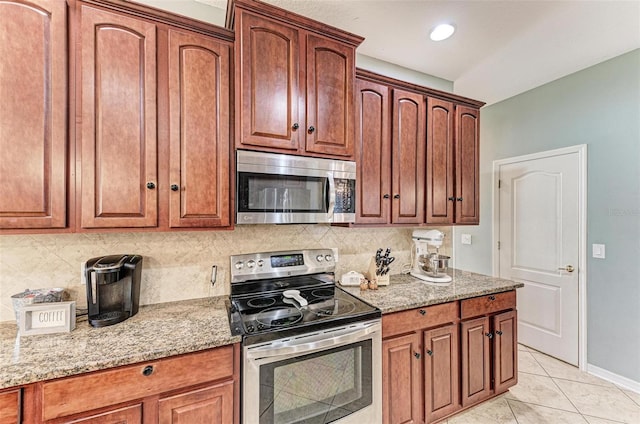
(282, 193)
(317, 388)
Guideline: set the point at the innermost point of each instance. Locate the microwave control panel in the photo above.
(345, 196)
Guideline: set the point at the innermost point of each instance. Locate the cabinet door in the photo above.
(467, 165)
(33, 135)
(268, 83)
(505, 359)
(408, 168)
(199, 131)
(401, 380)
(329, 97)
(117, 81)
(127, 415)
(440, 162)
(476, 372)
(442, 394)
(373, 153)
(10, 407)
(212, 405)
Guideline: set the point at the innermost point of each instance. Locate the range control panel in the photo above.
(258, 266)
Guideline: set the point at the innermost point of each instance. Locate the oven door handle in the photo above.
(269, 351)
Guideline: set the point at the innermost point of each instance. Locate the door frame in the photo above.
(581, 150)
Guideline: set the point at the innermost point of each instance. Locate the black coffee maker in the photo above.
(113, 288)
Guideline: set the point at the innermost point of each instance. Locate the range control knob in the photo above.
(319, 258)
(251, 263)
(250, 328)
(239, 265)
(328, 258)
(260, 263)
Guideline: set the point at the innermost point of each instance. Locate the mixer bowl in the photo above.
(434, 265)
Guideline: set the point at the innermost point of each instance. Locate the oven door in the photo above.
(327, 376)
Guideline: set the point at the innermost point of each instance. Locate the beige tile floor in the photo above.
(550, 391)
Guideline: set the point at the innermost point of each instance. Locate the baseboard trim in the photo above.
(616, 379)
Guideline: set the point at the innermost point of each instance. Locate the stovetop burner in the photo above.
(260, 312)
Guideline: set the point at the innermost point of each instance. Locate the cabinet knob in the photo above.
(386, 196)
(490, 335)
(459, 199)
(416, 354)
(147, 371)
(174, 187)
(311, 129)
(429, 352)
(396, 196)
(422, 312)
(452, 198)
(295, 126)
(151, 185)
(492, 297)
(499, 333)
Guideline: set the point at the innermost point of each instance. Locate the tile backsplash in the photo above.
(177, 265)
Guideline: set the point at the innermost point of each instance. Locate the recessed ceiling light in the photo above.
(442, 32)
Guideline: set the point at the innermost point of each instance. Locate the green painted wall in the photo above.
(600, 107)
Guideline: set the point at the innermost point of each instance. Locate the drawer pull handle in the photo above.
(490, 335)
(422, 312)
(417, 355)
(499, 333)
(429, 352)
(147, 371)
(492, 297)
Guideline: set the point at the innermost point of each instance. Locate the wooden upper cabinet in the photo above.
(117, 148)
(295, 87)
(408, 151)
(330, 112)
(268, 80)
(33, 128)
(373, 153)
(467, 165)
(199, 120)
(440, 199)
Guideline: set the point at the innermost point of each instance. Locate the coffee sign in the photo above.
(47, 318)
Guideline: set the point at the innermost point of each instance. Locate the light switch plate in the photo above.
(598, 251)
(466, 239)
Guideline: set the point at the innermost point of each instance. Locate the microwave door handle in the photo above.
(297, 349)
(332, 196)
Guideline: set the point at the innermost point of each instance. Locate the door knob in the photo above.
(175, 187)
(568, 268)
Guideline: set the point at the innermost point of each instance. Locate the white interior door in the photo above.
(539, 236)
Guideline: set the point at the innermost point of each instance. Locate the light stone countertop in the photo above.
(156, 331)
(407, 292)
(175, 328)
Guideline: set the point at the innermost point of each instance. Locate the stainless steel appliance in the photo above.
(429, 266)
(113, 288)
(274, 188)
(311, 351)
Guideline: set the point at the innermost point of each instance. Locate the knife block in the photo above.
(382, 280)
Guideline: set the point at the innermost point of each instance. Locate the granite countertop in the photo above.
(175, 328)
(156, 331)
(407, 292)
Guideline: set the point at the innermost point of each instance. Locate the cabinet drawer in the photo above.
(419, 318)
(69, 396)
(482, 305)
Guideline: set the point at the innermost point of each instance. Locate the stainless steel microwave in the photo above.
(274, 188)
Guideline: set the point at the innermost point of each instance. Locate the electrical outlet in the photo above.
(466, 239)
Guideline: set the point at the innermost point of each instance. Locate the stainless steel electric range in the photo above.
(311, 351)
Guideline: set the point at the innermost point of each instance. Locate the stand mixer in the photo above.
(425, 265)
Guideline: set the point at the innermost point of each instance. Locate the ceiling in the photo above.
(501, 47)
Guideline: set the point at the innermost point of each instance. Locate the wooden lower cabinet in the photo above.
(401, 381)
(211, 405)
(10, 406)
(441, 359)
(441, 372)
